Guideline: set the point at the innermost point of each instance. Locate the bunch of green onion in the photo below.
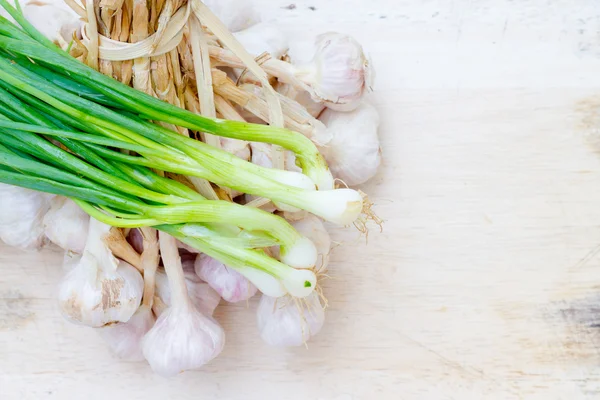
(67, 129)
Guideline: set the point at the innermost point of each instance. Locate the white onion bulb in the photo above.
(313, 228)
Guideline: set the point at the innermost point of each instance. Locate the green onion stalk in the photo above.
(184, 155)
(236, 249)
(31, 44)
(63, 127)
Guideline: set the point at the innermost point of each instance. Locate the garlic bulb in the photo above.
(205, 298)
(21, 216)
(125, 338)
(235, 14)
(100, 289)
(54, 19)
(182, 338)
(230, 284)
(284, 322)
(339, 73)
(313, 228)
(263, 38)
(67, 225)
(354, 153)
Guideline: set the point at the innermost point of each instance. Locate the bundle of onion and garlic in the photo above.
(178, 164)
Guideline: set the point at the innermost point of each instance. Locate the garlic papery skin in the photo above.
(313, 228)
(354, 152)
(203, 296)
(339, 73)
(182, 338)
(263, 38)
(237, 15)
(228, 283)
(100, 289)
(66, 225)
(21, 216)
(286, 322)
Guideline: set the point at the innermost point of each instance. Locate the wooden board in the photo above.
(485, 282)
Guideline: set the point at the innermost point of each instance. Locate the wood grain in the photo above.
(486, 280)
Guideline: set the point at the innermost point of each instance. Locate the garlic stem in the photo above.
(174, 270)
(121, 248)
(339, 73)
(150, 259)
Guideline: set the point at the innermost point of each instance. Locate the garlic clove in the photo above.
(67, 225)
(228, 283)
(21, 217)
(136, 240)
(354, 152)
(263, 38)
(284, 322)
(205, 298)
(313, 228)
(125, 339)
(235, 14)
(182, 339)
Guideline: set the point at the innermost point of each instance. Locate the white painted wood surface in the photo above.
(485, 283)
